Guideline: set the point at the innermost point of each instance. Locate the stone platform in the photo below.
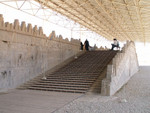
(30, 101)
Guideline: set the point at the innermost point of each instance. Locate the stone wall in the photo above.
(124, 66)
(26, 52)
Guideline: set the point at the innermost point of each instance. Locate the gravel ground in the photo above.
(134, 97)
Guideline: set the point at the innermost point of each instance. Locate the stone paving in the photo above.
(134, 97)
(30, 101)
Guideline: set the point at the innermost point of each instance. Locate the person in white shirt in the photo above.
(115, 44)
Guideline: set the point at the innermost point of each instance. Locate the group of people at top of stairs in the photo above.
(86, 45)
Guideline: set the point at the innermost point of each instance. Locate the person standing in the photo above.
(86, 44)
(81, 46)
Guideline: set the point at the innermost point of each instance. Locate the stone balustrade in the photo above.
(123, 67)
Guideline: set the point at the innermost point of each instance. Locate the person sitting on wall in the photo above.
(86, 44)
(115, 44)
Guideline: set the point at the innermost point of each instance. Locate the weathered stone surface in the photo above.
(24, 55)
(23, 27)
(124, 65)
(16, 25)
(29, 28)
(1, 21)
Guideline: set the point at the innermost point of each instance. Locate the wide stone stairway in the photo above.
(78, 76)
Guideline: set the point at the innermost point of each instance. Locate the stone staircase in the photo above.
(78, 76)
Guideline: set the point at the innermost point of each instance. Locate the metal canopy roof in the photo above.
(121, 19)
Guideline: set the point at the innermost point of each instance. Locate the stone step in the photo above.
(61, 87)
(77, 76)
(73, 77)
(66, 80)
(61, 82)
(88, 83)
(57, 83)
(59, 90)
(77, 72)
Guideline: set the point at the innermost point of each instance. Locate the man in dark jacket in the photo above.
(86, 44)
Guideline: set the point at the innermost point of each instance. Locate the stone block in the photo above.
(23, 27)
(5, 36)
(109, 72)
(40, 31)
(29, 29)
(11, 27)
(37, 41)
(52, 35)
(105, 90)
(1, 21)
(7, 26)
(16, 25)
(35, 30)
(20, 38)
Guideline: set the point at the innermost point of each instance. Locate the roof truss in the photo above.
(122, 19)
